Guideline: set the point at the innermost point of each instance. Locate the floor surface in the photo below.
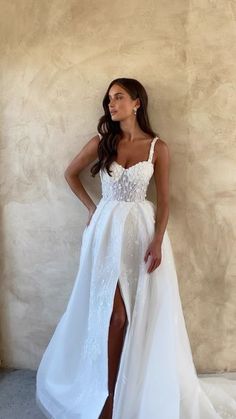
(17, 394)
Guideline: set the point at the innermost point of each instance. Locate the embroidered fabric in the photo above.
(157, 378)
(128, 184)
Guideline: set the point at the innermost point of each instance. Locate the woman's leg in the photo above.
(115, 344)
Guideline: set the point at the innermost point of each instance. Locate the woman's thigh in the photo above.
(119, 315)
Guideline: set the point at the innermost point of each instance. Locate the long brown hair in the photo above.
(110, 130)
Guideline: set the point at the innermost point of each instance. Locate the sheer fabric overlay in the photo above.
(157, 378)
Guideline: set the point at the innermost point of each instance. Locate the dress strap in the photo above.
(152, 148)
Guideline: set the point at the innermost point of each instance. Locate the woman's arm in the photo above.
(161, 176)
(86, 156)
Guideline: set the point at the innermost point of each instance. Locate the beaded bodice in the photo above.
(128, 184)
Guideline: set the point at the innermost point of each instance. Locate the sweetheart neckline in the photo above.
(133, 165)
(140, 162)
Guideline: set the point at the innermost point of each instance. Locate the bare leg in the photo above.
(115, 344)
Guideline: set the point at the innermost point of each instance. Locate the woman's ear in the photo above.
(138, 104)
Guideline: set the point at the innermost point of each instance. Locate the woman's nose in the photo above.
(111, 102)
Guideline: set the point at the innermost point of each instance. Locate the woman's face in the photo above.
(120, 103)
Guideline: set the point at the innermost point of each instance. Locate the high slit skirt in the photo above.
(156, 377)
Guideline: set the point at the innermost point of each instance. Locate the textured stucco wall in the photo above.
(57, 59)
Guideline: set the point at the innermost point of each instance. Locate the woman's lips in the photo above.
(112, 112)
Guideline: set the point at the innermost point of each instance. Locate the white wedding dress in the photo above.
(157, 378)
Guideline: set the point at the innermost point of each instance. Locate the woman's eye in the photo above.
(117, 97)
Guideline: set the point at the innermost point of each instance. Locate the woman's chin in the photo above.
(114, 117)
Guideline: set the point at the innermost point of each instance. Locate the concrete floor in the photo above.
(17, 394)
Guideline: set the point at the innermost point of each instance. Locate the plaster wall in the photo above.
(57, 59)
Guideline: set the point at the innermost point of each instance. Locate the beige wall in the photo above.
(57, 59)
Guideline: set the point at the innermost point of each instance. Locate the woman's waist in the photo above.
(126, 202)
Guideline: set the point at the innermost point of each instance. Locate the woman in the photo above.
(121, 349)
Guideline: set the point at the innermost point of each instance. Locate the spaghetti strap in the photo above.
(152, 148)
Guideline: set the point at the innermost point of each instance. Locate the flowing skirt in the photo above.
(156, 378)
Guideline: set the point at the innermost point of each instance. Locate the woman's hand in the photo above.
(153, 250)
(91, 211)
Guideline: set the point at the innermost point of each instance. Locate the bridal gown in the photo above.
(156, 378)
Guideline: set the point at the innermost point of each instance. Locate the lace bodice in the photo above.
(128, 184)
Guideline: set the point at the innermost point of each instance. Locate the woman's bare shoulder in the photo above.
(161, 150)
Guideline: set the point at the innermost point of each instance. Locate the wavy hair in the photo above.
(110, 130)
